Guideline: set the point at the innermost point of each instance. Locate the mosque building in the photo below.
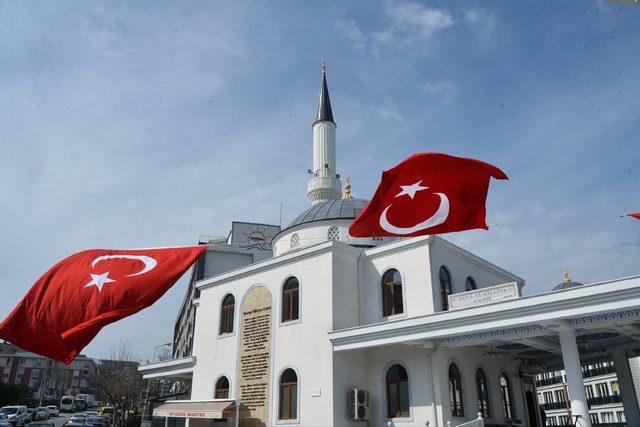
(334, 330)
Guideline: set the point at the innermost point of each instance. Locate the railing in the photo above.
(604, 400)
(554, 405)
(599, 370)
(549, 381)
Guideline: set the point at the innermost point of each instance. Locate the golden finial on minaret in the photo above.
(347, 188)
(324, 67)
(565, 276)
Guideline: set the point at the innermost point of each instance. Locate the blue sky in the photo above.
(150, 123)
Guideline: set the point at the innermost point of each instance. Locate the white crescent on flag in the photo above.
(438, 218)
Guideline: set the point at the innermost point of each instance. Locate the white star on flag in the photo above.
(411, 190)
(98, 280)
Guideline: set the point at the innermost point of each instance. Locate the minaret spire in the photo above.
(324, 184)
(324, 112)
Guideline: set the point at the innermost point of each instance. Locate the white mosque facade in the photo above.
(340, 331)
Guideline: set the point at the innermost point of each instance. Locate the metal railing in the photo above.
(594, 371)
(549, 381)
(604, 400)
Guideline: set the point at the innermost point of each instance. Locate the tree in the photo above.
(11, 394)
(118, 378)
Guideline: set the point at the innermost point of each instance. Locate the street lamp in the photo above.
(146, 400)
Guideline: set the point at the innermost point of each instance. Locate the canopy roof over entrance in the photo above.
(605, 317)
(208, 409)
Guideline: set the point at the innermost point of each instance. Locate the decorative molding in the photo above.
(497, 333)
(603, 317)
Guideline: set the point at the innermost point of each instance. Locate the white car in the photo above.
(42, 413)
(16, 415)
(53, 410)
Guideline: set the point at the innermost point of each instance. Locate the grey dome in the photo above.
(332, 209)
(567, 285)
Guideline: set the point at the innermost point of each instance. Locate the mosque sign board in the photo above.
(490, 295)
(255, 355)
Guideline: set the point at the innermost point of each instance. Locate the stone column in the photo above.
(627, 390)
(573, 371)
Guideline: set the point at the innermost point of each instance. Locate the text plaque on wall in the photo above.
(255, 355)
(482, 296)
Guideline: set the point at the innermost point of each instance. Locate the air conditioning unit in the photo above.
(358, 405)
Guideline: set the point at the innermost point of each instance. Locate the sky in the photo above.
(149, 123)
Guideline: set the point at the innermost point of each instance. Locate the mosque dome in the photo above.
(332, 209)
(567, 283)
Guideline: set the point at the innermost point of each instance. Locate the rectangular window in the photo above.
(559, 396)
(621, 417)
(76, 372)
(602, 389)
(548, 397)
(606, 417)
(589, 391)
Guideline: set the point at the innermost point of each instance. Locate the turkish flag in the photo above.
(66, 308)
(635, 215)
(428, 193)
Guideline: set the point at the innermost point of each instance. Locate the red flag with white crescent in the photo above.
(428, 193)
(67, 307)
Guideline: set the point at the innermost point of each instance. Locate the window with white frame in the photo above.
(606, 417)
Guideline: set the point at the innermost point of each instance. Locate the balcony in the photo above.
(549, 381)
(596, 371)
(604, 400)
(554, 405)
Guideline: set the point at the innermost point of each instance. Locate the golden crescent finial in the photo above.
(565, 276)
(347, 188)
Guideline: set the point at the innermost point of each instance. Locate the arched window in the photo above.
(483, 394)
(505, 393)
(288, 395)
(222, 388)
(290, 296)
(392, 293)
(445, 287)
(226, 314)
(397, 392)
(333, 233)
(471, 284)
(455, 390)
(295, 241)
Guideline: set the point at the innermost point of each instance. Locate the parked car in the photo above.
(73, 424)
(41, 424)
(53, 410)
(42, 413)
(92, 413)
(95, 421)
(16, 415)
(78, 417)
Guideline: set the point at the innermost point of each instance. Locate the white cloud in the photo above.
(408, 23)
(413, 21)
(388, 110)
(352, 33)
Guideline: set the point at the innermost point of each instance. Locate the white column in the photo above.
(627, 389)
(573, 371)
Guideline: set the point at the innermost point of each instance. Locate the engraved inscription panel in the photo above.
(255, 354)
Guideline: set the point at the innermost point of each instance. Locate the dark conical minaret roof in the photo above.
(324, 112)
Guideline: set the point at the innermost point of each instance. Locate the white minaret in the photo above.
(324, 184)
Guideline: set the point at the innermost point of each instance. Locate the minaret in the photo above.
(324, 184)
